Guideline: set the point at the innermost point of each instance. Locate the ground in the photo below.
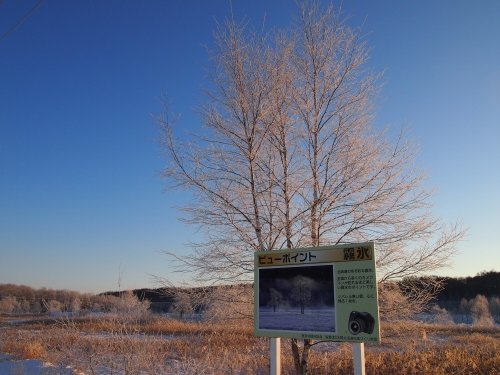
(154, 344)
(11, 365)
(319, 320)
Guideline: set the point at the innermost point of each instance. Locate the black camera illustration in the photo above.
(360, 322)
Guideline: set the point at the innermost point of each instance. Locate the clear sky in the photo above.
(81, 198)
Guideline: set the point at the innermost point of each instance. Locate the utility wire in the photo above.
(21, 20)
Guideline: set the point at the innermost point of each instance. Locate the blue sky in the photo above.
(81, 198)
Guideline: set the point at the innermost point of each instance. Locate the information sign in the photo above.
(322, 293)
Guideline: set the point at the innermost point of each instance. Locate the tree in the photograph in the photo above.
(301, 292)
(275, 298)
(290, 157)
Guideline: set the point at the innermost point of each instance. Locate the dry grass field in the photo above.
(157, 345)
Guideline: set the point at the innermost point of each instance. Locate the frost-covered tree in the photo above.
(464, 310)
(54, 306)
(302, 291)
(290, 157)
(8, 304)
(183, 303)
(440, 315)
(480, 311)
(275, 298)
(228, 303)
(75, 305)
(495, 307)
(129, 305)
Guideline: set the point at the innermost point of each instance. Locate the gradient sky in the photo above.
(81, 198)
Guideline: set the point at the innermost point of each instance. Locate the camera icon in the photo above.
(360, 322)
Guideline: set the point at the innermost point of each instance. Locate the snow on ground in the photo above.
(11, 366)
(317, 320)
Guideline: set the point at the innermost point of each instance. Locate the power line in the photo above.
(21, 20)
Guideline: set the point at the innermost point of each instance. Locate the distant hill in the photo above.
(485, 283)
(152, 295)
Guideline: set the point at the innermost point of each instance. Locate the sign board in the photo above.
(322, 293)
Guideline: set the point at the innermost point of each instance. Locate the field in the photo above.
(112, 344)
(322, 320)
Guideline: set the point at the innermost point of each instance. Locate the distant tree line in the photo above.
(454, 289)
(457, 296)
(212, 302)
(21, 299)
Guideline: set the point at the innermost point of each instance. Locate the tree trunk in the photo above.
(257, 225)
(301, 361)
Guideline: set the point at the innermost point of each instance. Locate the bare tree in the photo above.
(53, 306)
(495, 307)
(289, 157)
(275, 298)
(480, 311)
(75, 305)
(130, 306)
(230, 304)
(183, 303)
(8, 304)
(439, 315)
(464, 306)
(302, 291)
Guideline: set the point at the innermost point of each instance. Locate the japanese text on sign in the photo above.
(287, 258)
(349, 254)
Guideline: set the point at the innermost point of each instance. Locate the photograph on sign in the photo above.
(322, 293)
(297, 298)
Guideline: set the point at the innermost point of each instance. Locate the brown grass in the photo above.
(438, 361)
(23, 347)
(160, 345)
